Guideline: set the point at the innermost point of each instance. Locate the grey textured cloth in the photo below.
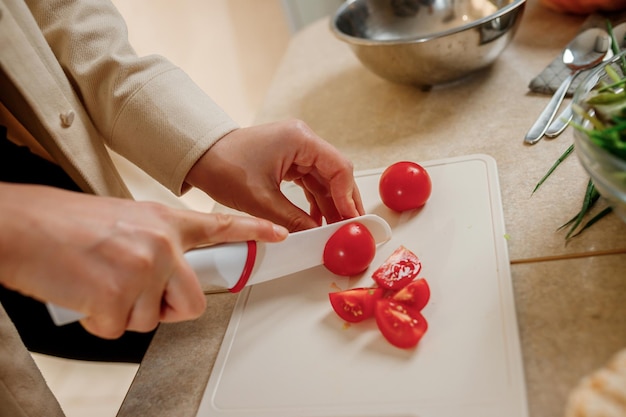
(549, 80)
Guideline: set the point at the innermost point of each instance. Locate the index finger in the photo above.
(330, 167)
(346, 195)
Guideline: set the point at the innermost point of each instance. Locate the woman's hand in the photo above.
(119, 262)
(245, 168)
(584, 6)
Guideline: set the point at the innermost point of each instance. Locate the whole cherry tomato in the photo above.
(350, 250)
(404, 186)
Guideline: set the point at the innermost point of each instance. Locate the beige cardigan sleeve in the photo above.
(145, 108)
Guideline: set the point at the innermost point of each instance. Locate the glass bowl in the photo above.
(607, 171)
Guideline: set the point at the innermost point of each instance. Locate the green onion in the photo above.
(604, 115)
(553, 167)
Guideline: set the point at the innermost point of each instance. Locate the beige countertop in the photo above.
(569, 296)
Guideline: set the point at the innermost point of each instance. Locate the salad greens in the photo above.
(607, 114)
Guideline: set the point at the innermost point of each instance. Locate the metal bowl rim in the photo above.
(420, 39)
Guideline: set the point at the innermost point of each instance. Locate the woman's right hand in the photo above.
(584, 6)
(119, 262)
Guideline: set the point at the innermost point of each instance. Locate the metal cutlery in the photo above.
(560, 123)
(586, 50)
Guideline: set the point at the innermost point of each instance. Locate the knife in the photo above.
(239, 264)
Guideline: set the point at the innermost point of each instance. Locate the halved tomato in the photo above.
(402, 326)
(398, 270)
(356, 304)
(414, 295)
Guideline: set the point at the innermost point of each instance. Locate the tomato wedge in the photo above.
(414, 295)
(402, 326)
(355, 305)
(398, 270)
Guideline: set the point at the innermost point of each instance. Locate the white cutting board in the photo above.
(286, 353)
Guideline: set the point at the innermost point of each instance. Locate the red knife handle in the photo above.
(247, 268)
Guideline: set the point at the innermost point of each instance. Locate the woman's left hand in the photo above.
(245, 168)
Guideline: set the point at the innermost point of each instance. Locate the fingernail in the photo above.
(280, 231)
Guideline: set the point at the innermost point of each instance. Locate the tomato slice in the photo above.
(398, 270)
(350, 250)
(414, 295)
(402, 326)
(356, 304)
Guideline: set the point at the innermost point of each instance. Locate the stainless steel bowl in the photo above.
(427, 42)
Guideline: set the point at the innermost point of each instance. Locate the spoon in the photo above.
(561, 122)
(586, 50)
